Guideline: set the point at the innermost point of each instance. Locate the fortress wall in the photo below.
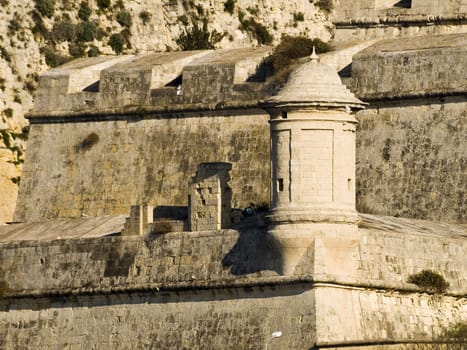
(189, 260)
(345, 315)
(211, 290)
(133, 161)
(242, 318)
(104, 264)
(397, 29)
(394, 256)
(411, 159)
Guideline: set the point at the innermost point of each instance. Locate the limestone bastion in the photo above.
(173, 201)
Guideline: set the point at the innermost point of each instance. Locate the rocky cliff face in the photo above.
(40, 34)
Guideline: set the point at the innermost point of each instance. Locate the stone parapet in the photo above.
(152, 82)
(411, 67)
(363, 10)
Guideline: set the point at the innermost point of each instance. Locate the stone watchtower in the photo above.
(312, 161)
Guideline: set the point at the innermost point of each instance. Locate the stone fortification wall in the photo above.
(203, 288)
(382, 19)
(203, 319)
(404, 69)
(125, 132)
(411, 151)
(103, 167)
(231, 256)
(417, 166)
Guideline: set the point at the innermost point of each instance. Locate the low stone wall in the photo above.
(201, 290)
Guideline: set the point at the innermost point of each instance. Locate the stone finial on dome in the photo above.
(314, 84)
(314, 56)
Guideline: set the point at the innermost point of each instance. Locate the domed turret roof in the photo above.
(315, 84)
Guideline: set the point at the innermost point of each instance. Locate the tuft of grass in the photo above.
(197, 38)
(325, 5)
(257, 30)
(16, 180)
(84, 11)
(429, 281)
(117, 42)
(39, 27)
(5, 54)
(298, 16)
(63, 31)
(52, 58)
(45, 7)
(145, 17)
(93, 51)
(8, 112)
(457, 333)
(124, 19)
(229, 6)
(4, 289)
(103, 4)
(283, 60)
(14, 26)
(77, 49)
(86, 31)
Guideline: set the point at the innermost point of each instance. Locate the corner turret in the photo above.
(312, 126)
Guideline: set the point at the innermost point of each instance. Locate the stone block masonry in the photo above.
(418, 166)
(135, 160)
(201, 290)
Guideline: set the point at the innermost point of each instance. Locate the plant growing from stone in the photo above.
(124, 19)
(429, 281)
(325, 5)
(117, 42)
(84, 11)
(45, 7)
(145, 16)
(196, 38)
(229, 6)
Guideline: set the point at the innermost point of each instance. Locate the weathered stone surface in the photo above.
(411, 67)
(411, 159)
(212, 286)
(135, 160)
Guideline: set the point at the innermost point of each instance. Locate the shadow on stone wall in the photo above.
(253, 251)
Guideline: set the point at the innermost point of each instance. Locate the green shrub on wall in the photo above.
(429, 281)
(124, 19)
(117, 42)
(45, 7)
(229, 6)
(84, 11)
(63, 31)
(103, 4)
(197, 38)
(145, 16)
(86, 31)
(325, 5)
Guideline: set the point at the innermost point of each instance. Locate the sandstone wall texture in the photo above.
(34, 38)
(102, 168)
(198, 290)
(411, 159)
(243, 318)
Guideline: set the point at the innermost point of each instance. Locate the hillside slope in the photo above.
(40, 34)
